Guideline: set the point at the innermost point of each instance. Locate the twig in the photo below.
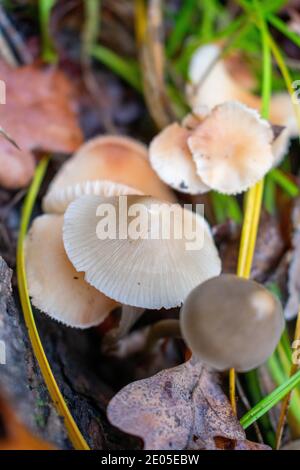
(149, 28)
(15, 41)
(248, 407)
(90, 32)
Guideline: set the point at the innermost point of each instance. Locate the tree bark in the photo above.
(72, 355)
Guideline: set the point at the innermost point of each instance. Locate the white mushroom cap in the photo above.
(232, 148)
(147, 273)
(283, 114)
(58, 201)
(211, 83)
(172, 160)
(54, 285)
(113, 158)
(280, 146)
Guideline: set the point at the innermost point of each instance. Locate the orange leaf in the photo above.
(38, 115)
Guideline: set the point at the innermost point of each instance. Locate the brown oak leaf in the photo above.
(179, 408)
(38, 116)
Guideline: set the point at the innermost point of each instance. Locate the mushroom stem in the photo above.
(162, 329)
(129, 316)
(287, 399)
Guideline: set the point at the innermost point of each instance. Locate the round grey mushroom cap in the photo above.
(231, 322)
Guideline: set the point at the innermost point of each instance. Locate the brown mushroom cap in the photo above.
(230, 322)
(57, 202)
(114, 158)
(55, 287)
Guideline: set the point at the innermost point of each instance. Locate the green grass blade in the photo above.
(284, 29)
(284, 182)
(127, 69)
(270, 195)
(269, 401)
(255, 393)
(48, 51)
(182, 23)
(226, 207)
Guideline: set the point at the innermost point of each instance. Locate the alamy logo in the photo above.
(2, 92)
(157, 221)
(296, 94)
(296, 352)
(2, 353)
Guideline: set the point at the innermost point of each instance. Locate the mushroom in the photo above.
(172, 160)
(112, 158)
(58, 201)
(231, 322)
(54, 285)
(228, 149)
(213, 83)
(280, 145)
(138, 265)
(232, 148)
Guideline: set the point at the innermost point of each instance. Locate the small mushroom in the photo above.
(54, 285)
(143, 271)
(283, 114)
(172, 160)
(212, 82)
(232, 148)
(58, 201)
(117, 159)
(231, 322)
(280, 146)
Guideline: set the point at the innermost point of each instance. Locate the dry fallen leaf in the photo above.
(14, 435)
(179, 408)
(38, 116)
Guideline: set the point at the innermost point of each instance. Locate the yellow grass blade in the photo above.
(75, 435)
(254, 195)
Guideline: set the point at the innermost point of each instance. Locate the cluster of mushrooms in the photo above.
(224, 145)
